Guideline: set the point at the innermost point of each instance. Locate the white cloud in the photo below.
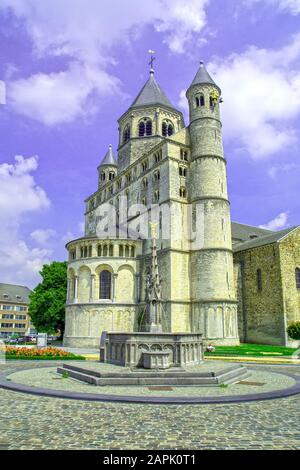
(42, 236)
(278, 223)
(261, 90)
(19, 196)
(276, 171)
(291, 6)
(83, 34)
(61, 97)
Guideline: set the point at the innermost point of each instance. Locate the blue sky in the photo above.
(71, 68)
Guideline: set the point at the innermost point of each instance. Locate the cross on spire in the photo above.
(152, 59)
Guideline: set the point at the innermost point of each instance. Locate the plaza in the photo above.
(40, 422)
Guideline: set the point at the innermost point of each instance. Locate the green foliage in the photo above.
(223, 385)
(47, 300)
(65, 375)
(293, 330)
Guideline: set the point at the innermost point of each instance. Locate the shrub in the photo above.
(293, 330)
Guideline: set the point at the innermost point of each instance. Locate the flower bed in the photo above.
(49, 353)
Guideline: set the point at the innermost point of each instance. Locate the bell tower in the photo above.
(212, 280)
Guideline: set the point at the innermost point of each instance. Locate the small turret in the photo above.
(107, 170)
(203, 95)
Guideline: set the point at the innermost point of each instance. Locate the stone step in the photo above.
(152, 374)
(79, 375)
(227, 376)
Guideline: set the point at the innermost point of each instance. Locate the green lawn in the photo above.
(246, 349)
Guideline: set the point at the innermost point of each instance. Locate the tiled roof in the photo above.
(263, 240)
(151, 94)
(14, 293)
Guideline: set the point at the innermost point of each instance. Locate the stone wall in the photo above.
(289, 251)
(263, 310)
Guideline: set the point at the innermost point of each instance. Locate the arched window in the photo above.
(149, 128)
(182, 171)
(200, 101)
(145, 183)
(99, 250)
(126, 134)
(141, 129)
(167, 129)
(105, 285)
(145, 127)
(211, 102)
(111, 250)
(259, 280)
(297, 273)
(105, 250)
(121, 251)
(182, 192)
(112, 175)
(157, 175)
(103, 176)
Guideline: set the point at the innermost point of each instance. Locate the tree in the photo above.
(293, 330)
(47, 300)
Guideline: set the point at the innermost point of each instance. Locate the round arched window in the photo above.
(105, 285)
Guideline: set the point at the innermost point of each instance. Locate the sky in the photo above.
(70, 68)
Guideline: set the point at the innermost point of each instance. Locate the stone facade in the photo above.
(268, 305)
(182, 171)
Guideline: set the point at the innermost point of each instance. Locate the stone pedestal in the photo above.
(156, 360)
(127, 349)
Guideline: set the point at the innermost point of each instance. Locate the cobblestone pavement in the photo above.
(32, 422)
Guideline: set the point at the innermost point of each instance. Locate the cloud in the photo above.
(261, 89)
(291, 6)
(83, 36)
(278, 223)
(19, 197)
(276, 171)
(42, 236)
(61, 97)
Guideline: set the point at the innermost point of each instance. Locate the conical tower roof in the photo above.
(110, 158)
(151, 94)
(202, 77)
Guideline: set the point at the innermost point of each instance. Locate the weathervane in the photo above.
(152, 59)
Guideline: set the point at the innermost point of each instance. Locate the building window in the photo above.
(20, 317)
(200, 101)
(102, 177)
(156, 196)
(183, 155)
(119, 184)
(8, 307)
(157, 156)
(111, 175)
(145, 127)
(145, 183)
(105, 285)
(6, 316)
(126, 134)
(145, 166)
(259, 280)
(182, 192)
(297, 273)
(182, 171)
(144, 200)
(167, 129)
(128, 177)
(157, 175)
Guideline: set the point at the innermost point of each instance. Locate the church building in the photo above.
(229, 281)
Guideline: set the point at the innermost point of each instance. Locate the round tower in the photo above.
(107, 170)
(212, 279)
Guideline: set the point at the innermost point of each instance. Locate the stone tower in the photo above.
(212, 280)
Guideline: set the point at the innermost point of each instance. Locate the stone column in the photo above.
(94, 250)
(75, 289)
(92, 287)
(68, 289)
(114, 287)
(137, 288)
